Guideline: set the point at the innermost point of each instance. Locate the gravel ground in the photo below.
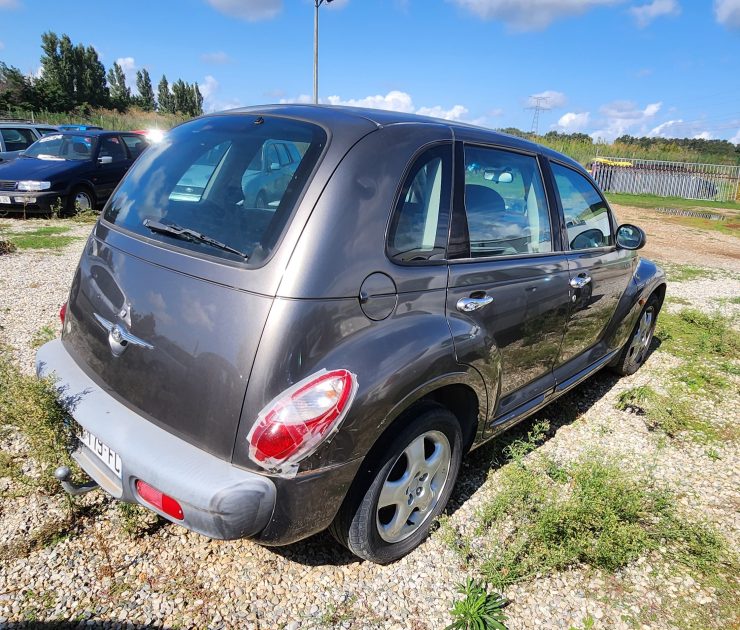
(173, 578)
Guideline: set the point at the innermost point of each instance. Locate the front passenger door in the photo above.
(109, 174)
(599, 271)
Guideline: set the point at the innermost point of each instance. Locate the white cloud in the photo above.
(727, 12)
(646, 13)
(209, 88)
(458, 112)
(736, 138)
(216, 58)
(663, 130)
(249, 10)
(395, 101)
(679, 128)
(530, 15)
(574, 121)
(128, 65)
(620, 117)
(552, 99)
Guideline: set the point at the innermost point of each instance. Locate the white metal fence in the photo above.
(712, 182)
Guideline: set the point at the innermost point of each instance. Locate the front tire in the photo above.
(402, 489)
(637, 348)
(80, 199)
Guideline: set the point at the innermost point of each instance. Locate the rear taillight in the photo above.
(63, 312)
(293, 425)
(159, 500)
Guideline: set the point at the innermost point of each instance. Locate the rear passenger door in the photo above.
(599, 271)
(507, 298)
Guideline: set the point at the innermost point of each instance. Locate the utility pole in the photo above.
(317, 4)
(540, 103)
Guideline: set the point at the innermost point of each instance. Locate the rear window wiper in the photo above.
(190, 235)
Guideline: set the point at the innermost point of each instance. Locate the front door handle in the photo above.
(580, 281)
(470, 304)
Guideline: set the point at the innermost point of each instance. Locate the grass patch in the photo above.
(692, 334)
(42, 335)
(478, 609)
(33, 406)
(670, 413)
(594, 514)
(49, 237)
(653, 201)
(686, 273)
(729, 225)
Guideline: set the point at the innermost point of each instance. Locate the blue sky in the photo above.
(607, 67)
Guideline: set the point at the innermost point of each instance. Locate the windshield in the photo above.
(61, 147)
(202, 177)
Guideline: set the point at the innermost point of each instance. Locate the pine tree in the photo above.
(145, 99)
(164, 96)
(120, 94)
(198, 101)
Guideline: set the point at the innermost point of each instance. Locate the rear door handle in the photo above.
(580, 281)
(470, 304)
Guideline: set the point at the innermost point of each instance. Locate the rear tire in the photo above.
(637, 348)
(402, 488)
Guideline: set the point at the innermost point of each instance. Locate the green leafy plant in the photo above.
(478, 609)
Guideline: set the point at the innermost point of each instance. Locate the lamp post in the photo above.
(317, 4)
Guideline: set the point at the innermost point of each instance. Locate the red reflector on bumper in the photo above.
(161, 501)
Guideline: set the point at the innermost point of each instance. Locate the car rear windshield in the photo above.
(220, 177)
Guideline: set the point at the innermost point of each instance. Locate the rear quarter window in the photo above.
(209, 176)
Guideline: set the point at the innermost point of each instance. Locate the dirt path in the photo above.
(672, 242)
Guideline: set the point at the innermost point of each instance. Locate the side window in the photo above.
(283, 154)
(136, 144)
(17, 139)
(586, 214)
(418, 230)
(112, 147)
(273, 162)
(505, 204)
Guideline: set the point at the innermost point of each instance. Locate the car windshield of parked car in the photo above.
(216, 176)
(61, 147)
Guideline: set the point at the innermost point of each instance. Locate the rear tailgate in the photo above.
(183, 349)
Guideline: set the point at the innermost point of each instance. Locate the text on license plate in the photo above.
(107, 455)
(4, 199)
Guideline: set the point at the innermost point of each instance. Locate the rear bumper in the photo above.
(217, 499)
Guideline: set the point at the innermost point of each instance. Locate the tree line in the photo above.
(73, 77)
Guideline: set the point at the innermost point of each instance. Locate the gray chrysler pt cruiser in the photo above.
(324, 358)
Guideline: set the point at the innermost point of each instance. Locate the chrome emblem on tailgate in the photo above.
(119, 338)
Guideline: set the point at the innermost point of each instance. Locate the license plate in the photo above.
(4, 199)
(106, 455)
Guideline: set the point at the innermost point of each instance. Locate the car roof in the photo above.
(344, 116)
(92, 132)
(7, 123)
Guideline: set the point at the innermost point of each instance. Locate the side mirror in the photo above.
(274, 166)
(630, 237)
(105, 159)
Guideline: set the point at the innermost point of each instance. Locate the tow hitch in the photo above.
(63, 474)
